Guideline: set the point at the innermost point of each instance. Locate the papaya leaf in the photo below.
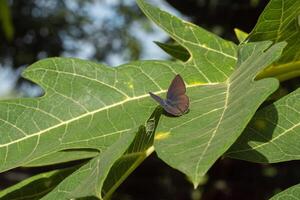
(74, 113)
(85, 106)
(292, 193)
(89, 106)
(218, 114)
(273, 134)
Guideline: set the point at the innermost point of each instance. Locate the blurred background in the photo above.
(116, 32)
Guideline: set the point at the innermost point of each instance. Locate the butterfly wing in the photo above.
(177, 100)
(179, 106)
(158, 99)
(176, 88)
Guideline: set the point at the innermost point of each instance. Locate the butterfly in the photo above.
(177, 102)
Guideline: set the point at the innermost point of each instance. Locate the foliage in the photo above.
(94, 111)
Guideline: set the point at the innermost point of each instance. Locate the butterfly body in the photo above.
(177, 102)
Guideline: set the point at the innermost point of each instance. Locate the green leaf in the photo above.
(88, 179)
(89, 105)
(273, 134)
(35, 187)
(279, 22)
(218, 114)
(74, 113)
(62, 157)
(213, 57)
(86, 105)
(241, 35)
(175, 50)
(292, 193)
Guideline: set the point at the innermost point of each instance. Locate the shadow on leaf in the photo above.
(258, 133)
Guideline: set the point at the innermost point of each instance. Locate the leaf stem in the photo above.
(142, 157)
(281, 72)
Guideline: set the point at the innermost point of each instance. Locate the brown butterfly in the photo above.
(177, 102)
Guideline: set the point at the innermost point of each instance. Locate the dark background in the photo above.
(65, 28)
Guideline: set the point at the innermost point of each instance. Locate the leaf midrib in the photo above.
(216, 129)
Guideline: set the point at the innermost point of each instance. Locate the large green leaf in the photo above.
(89, 105)
(273, 134)
(86, 105)
(292, 193)
(279, 22)
(88, 180)
(218, 114)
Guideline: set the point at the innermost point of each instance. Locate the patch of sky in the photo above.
(100, 12)
(8, 80)
(104, 12)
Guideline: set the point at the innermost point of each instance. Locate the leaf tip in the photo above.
(200, 180)
(241, 35)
